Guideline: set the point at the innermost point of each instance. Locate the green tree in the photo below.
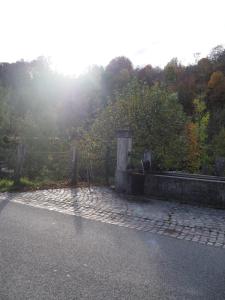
(201, 120)
(155, 117)
(218, 144)
(118, 74)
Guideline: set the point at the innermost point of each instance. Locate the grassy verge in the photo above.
(8, 185)
(25, 184)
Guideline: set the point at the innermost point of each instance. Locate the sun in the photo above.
(68, 64)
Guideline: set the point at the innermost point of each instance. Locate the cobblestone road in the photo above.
(181, 221)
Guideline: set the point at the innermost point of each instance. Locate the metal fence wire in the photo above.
(47, 161)
(96, 170)
(53, 161)
(47, 165)
(8, 161)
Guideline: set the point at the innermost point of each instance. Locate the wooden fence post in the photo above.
(107, 166)
(74, 165)
(19, 162)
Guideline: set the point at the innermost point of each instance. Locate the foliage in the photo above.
(216, 88)
(197, 135)
(201, 118)
(154, 116)
(193, 156)
(219, 144)
(172, 73)
(8, 184)
(118, 74)
(25, 182)
(5, 185)
(177, 111)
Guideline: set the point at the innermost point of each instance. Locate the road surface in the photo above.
(49, 255)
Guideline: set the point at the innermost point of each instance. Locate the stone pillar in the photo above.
(124, 144)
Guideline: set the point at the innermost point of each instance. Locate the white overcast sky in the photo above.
(79, 33)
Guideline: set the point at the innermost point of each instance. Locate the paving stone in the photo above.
(181, 221)
(210, 244)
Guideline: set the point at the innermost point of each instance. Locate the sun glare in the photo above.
(77, 34)
(68, 65)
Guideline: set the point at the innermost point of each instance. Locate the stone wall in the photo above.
(193, 189)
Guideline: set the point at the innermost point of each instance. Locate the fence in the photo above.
(55, 160)
(8, 160)
(96, 169)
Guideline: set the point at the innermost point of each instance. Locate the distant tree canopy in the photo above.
(117, 74)
(177, 111)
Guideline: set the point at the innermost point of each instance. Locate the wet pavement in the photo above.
(197, 224)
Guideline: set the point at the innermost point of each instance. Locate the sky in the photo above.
(76, 34)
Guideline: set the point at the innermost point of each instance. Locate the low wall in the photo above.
(193, 189)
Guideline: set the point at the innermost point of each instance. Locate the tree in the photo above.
(172, 74)
(193, 154)
(215, 100)
(149, 75)
(117, 74)
(155, 117)
(204, 70)
(216, 89)
(201, 120)
(187, 91)
(218, 144)
(216, 53)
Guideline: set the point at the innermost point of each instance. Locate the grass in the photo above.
(25, 184)
(8, 185)
(5, 185)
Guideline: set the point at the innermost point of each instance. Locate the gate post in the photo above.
(124, 145)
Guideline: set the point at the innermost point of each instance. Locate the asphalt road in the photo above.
(48, 255)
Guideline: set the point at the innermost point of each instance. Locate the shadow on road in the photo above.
(5, 201)
(76, 209)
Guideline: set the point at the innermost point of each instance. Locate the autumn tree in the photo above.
(149, 75)
(215, 99)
